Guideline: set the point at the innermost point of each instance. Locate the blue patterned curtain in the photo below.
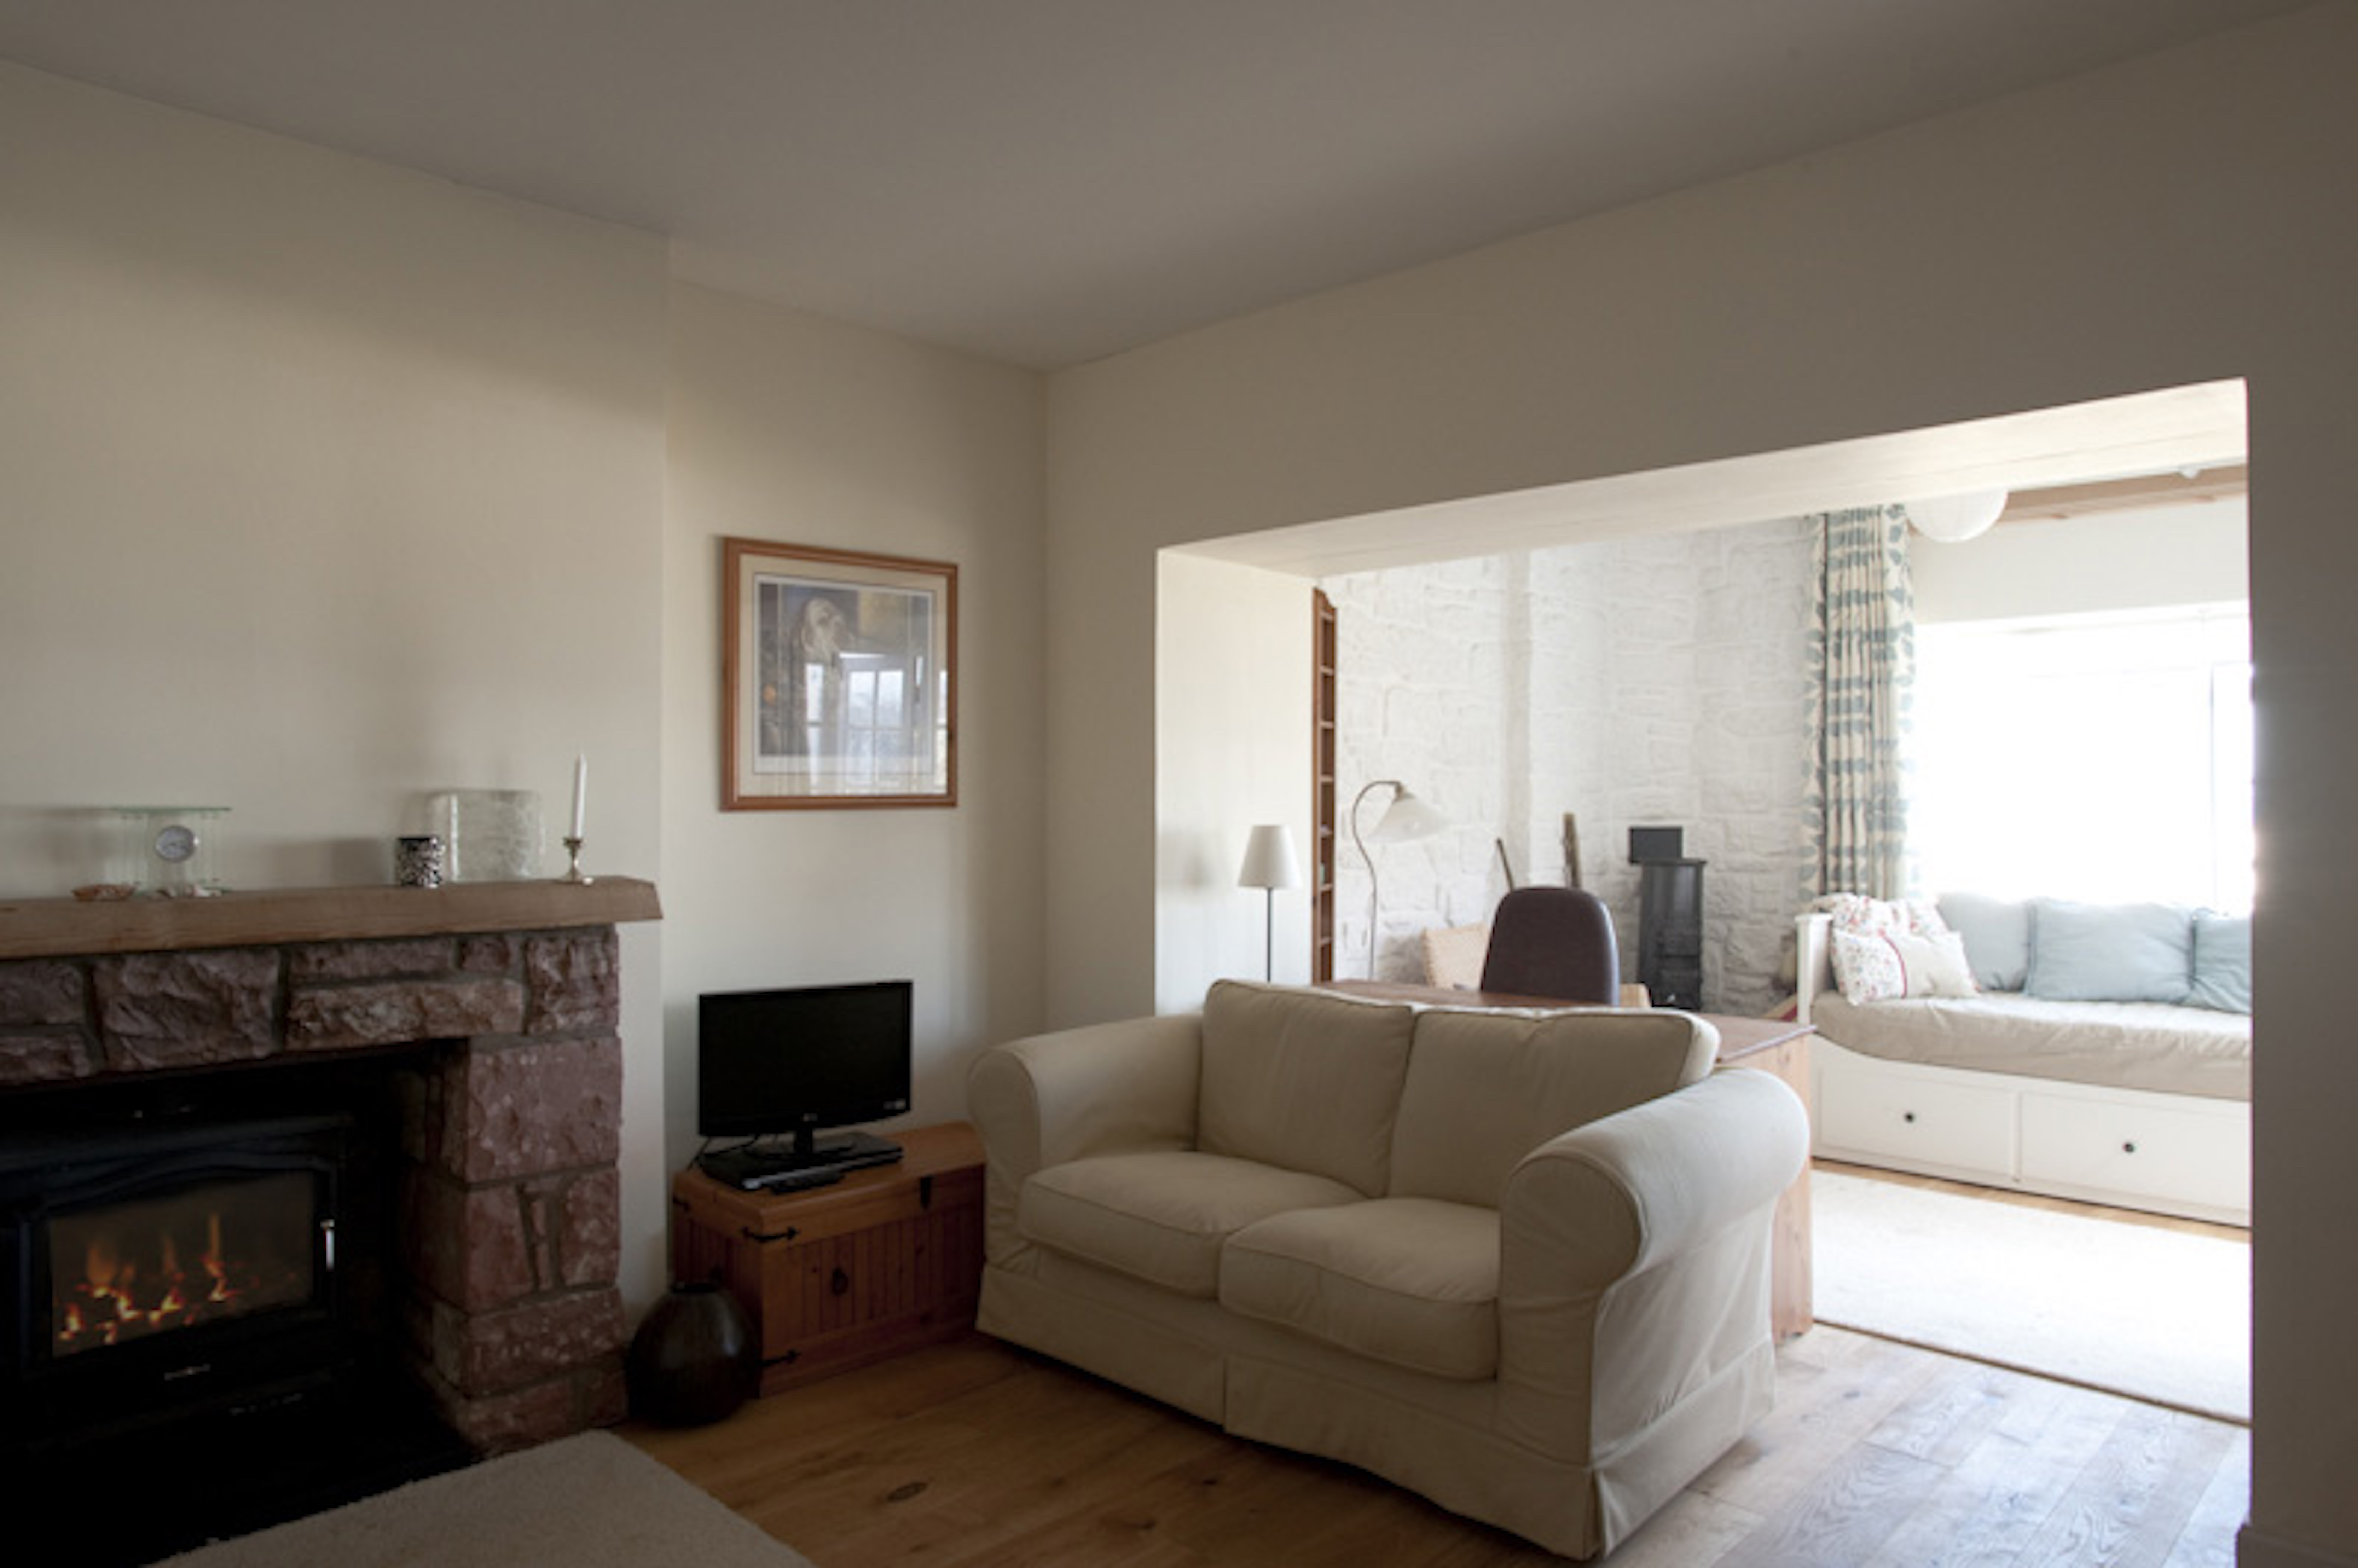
(1863, 670)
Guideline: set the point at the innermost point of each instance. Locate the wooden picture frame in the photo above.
(839, 679)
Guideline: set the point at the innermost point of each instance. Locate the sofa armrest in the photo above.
(1100, 1090)
(1620, 1196)
(1634, 1257)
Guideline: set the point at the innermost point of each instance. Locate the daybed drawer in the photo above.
(2183, 1156)
(1867, 1112)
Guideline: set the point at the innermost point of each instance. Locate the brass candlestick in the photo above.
(573, 864)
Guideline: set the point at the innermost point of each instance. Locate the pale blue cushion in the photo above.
(2123, 952)
(1997, 937)
(2223, 961)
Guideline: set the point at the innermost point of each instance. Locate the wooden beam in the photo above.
(2125, 494)
(63, 928)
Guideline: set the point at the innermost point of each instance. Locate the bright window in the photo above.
(2102, 757)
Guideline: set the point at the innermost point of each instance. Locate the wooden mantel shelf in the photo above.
(63, 928)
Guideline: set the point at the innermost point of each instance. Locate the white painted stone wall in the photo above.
(1643, 682)
(1424, 673)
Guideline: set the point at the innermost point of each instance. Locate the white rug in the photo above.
(591, 1501)
(2157, 1315)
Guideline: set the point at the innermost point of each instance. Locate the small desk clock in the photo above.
(170, 849)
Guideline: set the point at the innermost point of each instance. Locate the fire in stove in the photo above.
(128, 1271)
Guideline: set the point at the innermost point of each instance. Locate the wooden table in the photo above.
(1773, 1045)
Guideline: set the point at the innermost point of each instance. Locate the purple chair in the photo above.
(1555, 942)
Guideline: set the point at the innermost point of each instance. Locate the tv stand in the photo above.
(880, 1261)
(760, 1163)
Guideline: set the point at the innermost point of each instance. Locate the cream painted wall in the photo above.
(323, 485)
(788, 428)
(330, 485)
(1231, 750)
(2192, 222)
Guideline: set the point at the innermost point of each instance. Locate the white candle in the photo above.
(580, 792)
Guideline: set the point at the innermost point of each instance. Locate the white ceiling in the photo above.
(1048, 181)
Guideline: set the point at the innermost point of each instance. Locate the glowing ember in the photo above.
(205, 1254)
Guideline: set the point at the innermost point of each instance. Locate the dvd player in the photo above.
(784, 1170)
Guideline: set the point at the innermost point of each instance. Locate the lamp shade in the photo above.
(1406, 819)
(1270, 860)
(1953, 519)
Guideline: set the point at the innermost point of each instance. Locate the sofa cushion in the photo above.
(2223, 961)
(1866, 916)
(1307, 1080)
(1410, 1281)
(1892, 965)
(2128, 952)
(1161, 1217)
(1485, 1088)
(1996, 933)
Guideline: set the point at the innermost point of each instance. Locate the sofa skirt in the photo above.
(1434, 1436)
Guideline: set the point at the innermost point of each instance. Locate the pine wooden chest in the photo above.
(836, 1277)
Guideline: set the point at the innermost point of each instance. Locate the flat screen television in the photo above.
(787, 1070)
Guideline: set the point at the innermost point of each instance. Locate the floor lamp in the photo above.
(1270, 865)
(1406, 819)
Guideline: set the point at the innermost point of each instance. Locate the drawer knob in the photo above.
(2128, 1147)
(1907, 1115)
(840, 1284)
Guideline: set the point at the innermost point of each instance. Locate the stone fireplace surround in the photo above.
(509, 1228)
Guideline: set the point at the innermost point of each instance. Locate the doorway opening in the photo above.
(2197, 429)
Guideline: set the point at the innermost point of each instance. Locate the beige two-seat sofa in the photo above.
(1516, 1261)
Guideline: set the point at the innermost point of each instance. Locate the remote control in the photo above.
(793, 1181)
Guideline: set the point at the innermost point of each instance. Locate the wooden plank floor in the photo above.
(2040, 1200)
(974, 1455)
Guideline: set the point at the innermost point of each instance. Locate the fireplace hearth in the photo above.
(302, 1195)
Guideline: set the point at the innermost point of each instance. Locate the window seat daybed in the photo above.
(2140, 1104)
(2161, 1046)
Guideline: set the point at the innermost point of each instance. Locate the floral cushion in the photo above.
(1891, 966)
(1867, 916)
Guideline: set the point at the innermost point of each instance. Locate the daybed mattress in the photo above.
(2136, 1045)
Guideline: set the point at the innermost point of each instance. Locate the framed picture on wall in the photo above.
(839, 679)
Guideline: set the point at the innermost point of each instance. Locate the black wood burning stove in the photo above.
(1669, 917)
(153, 1275)
(195, 1332)
(1670, 933)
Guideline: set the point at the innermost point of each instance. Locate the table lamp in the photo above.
(1270, 865)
